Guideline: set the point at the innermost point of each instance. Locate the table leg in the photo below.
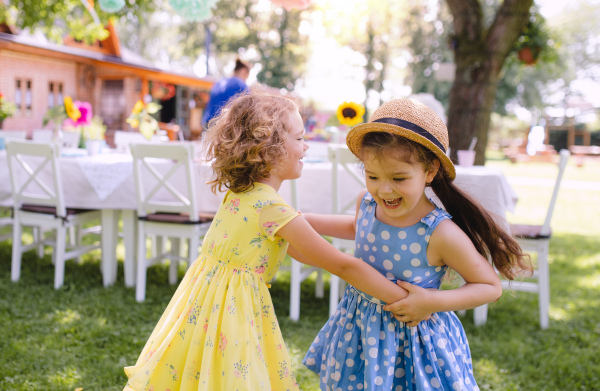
(129, 241)
(110, 229)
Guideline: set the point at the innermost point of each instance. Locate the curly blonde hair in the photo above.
(246, 141)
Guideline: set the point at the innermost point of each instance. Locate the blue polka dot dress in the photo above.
(362, 347)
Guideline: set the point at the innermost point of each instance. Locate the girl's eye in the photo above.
(373, 178)
(399, 179)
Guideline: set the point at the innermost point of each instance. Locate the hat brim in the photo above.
(356, 134)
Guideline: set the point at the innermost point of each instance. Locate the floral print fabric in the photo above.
(219, 331)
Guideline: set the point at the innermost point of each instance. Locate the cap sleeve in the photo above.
(274, 216)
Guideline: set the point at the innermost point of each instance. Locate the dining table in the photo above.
(106, 182)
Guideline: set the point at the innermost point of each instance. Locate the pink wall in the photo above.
(41, 71)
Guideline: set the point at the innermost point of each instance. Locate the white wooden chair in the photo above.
(5, 221)
(163, 210)
(299, 271)
(70, 139)
(39, 202)
(123, 139)
(341, 159)
(13, 134)
(535, 239)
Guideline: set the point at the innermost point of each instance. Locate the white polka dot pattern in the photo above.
(362, 347)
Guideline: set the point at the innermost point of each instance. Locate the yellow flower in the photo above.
(139, 105)
(350, 113)
(133, 122)
(72, 111)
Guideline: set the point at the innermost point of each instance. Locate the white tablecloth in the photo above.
(106, 182)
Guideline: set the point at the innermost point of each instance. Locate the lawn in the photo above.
(82, 335)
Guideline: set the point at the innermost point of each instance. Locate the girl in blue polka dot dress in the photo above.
(416, 343)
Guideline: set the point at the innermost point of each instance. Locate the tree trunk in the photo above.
(479, 54)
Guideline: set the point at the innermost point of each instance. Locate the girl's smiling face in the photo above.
(398, 186)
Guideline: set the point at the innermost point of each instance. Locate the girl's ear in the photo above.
(433, 170)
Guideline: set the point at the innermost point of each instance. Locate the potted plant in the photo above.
(533, 41)
(141, 117)
(7, 109)
(93, 134)
(58, 114)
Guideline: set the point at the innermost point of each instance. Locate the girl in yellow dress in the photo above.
(219, 331)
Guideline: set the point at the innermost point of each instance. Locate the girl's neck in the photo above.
(273, 181)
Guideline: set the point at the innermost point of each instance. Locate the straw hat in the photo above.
(411, 119)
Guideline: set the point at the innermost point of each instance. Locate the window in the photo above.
(51, 95)
(55, 93)
(28, 96)
(18, 97)
(23, 95)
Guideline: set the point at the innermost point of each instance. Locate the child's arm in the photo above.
(451, 246)
(338, 226)
(319, 252)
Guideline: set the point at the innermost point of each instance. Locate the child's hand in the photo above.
(414, 308)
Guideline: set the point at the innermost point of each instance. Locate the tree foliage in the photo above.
(55, 18)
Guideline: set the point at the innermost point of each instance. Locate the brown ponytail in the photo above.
(489, 238)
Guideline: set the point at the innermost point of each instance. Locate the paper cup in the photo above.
(465, 158)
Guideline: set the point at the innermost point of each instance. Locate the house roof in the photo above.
(128, 60)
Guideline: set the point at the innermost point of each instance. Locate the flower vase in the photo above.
(57, 137)
(93, 147)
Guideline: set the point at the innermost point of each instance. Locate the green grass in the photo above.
(84, 334)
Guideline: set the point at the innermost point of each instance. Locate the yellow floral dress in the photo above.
(219, 332)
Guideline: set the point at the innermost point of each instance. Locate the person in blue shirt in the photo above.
(224, 89)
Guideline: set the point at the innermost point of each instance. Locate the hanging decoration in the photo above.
(162, 91)
(194, 10)
(111, 6)
(293, 4)
(89, 5)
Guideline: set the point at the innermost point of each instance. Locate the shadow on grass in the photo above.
(83, 334)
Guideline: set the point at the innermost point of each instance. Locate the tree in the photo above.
(480, 51)
(374, 29)
(55, 18)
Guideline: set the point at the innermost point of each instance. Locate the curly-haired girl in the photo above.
(219, 332)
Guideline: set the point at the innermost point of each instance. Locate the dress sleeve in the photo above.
(274, 216)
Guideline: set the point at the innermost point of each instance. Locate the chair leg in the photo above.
(295, 281)
(334, 293)
(320, 287)
(15, 271)
(140, 285)
(480, 315)
(38, 237)
(59, 252)
(544, 288)
(174, 264)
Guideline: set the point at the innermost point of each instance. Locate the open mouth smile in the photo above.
(393, 203)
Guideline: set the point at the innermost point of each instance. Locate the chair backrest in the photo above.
(124, 139)
(341, 157)
(35, 175)
(158, 192)
(71, 139)
(562, 164)
(13, 134)
(42, 135)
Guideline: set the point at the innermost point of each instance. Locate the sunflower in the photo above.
(71, 110)
(350, 113)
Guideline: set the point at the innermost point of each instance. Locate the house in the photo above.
(36, 74)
